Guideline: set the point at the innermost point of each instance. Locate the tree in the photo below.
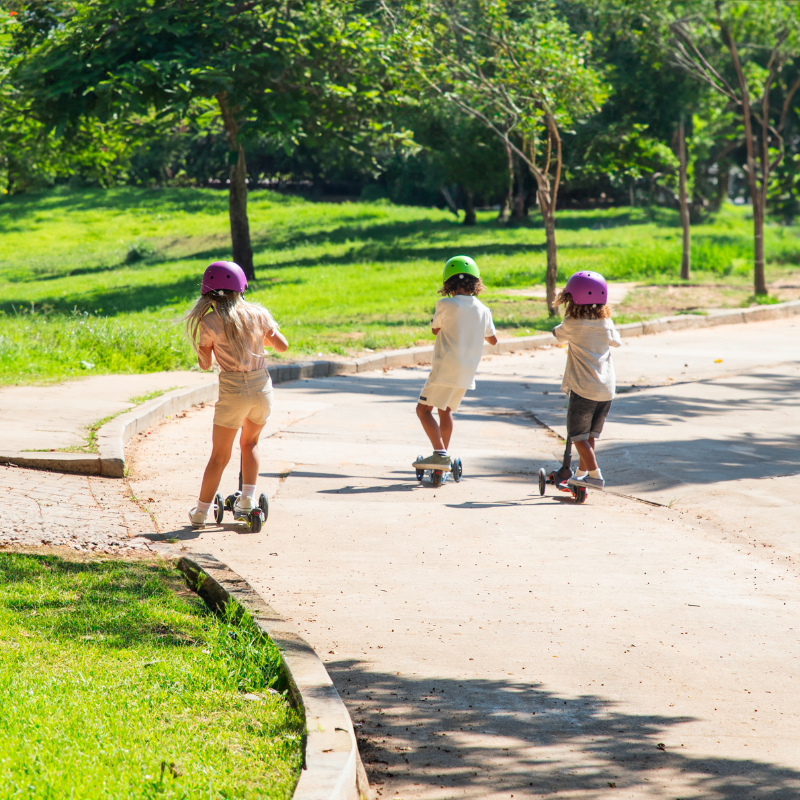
(758, 41)
(516, 68)
(301, 68)
(462, 151)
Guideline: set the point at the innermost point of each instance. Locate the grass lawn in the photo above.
(115, 682)
(96, 281)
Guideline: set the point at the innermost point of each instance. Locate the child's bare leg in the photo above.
(429, 424)
(446, 425)
(586, 452)
(248, 442)
(221, 445)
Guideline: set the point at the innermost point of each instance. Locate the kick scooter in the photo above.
(254, 519)
(439, 476)
(559, 478)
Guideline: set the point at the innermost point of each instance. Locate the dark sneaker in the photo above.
(587, 483)
(442, 463)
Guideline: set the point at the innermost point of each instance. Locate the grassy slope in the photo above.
(339, 277)
(106, 674)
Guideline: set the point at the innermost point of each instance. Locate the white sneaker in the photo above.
(197, 519)
(242, 507)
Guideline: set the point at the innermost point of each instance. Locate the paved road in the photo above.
(55, 416)
(492, 643)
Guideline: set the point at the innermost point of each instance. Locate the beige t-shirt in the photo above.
(465, 322)
(590, 370)
(212, 334)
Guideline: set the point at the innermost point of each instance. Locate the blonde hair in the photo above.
(591, 311)
(239, 318)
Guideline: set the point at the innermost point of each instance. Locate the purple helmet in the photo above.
(223, 275)
(587, 288)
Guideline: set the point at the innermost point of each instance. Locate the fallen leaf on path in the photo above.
(717, 360)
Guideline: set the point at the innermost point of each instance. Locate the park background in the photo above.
(341, 151)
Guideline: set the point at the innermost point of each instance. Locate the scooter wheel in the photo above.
(436, 478)
(420, 472)
(580, 495)
(229, 501)
(458, 470)
(542, 480)
(256, 520)
(263, 504)
(219, 509)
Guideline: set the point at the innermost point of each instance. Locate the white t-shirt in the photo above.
(590, 370)
(465, 322)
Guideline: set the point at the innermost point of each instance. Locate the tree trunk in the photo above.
(549, 218)
(518, 206)
(448, 198)
(237, 197)
(469, 208)
(684, 203)
(759, 281)
(723, 186)
(505, 209)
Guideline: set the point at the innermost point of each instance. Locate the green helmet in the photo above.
(460, 264)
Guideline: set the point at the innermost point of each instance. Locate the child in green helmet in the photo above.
(461, 323)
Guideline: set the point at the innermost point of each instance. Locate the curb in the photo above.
(332, 768)
(112, 437)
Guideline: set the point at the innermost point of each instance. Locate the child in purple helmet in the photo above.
(224, 325)
(589, 378)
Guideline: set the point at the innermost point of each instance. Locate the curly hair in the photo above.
(462, 283)
(572, 309)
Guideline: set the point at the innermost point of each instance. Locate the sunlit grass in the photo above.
(114, 686)
(339, 277)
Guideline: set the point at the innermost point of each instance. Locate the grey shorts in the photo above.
(585, 418)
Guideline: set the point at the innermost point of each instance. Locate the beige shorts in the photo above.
(438, 396)
(243, 395)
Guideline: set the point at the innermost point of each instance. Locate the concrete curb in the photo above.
(332, 768)
(113, 436)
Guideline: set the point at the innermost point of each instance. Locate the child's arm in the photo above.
(205, 357)
(276, 340)
(489, 334)
(613, 337)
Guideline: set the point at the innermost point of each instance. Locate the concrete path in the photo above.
(492, 643)
(55, 416)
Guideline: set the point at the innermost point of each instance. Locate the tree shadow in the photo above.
(641, 459)
(455, 732)
(105, 603)
(119, 300)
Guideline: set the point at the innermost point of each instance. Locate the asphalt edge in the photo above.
(332, 768)
(112, 437)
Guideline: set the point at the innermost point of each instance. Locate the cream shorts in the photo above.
(243, 395)
(438, 396)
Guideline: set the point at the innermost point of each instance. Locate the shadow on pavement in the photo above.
(645, 465)
(451, 733)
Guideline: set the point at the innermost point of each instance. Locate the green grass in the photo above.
(103, 277)
(114, 686)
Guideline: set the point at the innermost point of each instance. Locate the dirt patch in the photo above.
(667, 300)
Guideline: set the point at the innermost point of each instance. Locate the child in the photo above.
(223, 324)
(589, 377)
(461, 323)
